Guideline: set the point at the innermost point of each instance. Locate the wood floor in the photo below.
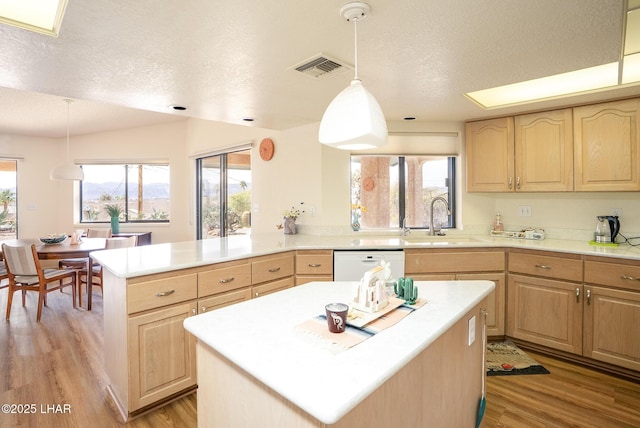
(55, 369)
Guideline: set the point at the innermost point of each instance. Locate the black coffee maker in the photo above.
(607, 228)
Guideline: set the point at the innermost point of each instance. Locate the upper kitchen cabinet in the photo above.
(607, 147)
(490, 155)
(544, 152)
(528, 153)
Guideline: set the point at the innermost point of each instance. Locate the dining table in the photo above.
(66, 250)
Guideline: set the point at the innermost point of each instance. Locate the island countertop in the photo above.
(151, 259)
(260, 336)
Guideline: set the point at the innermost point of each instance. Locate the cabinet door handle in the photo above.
(588, 297)
(546, 267)
(518, 182)
(273, 270)
(510, 182)
(203, 309)
(257, 294)
(193, 311)
(165, 293)
(577, 294)
(630, 278)
(226, 280)
(314, 265)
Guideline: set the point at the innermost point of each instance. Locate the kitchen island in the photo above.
(257, 368)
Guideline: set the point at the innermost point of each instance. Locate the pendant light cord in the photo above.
(68, 102)
(355, 32)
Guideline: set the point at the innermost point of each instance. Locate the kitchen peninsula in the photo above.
(419, 372)
(151, 290)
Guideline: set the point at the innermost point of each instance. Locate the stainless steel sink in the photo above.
(425, 240)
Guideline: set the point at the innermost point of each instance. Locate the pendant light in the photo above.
(354, 119)
(67, 170)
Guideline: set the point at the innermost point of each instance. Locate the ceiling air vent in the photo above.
(321, 65)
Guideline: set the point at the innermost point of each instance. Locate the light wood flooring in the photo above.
(60, 362)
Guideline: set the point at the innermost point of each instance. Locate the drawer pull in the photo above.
(274, 270)
(314, 265)
(547, 267)
(226, 280)
(165, 293)
(577, 295)
(630, 278)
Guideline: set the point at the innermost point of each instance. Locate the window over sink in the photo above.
(386, 189)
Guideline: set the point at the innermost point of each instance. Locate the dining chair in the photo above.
(26, 274)
(96, 269)
(81, 263)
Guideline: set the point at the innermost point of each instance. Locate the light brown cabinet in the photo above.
(272, 273)
(607, 146)
(612, 311)
(490, 155)
(528, 153)
(544, 299)
(443, 265)
(314, 265)
(161, 355)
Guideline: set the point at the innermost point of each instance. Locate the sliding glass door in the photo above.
(224, 194)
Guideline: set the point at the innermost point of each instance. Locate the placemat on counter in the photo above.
(316, 329)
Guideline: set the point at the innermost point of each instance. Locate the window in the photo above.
(8, 198)
(386, 189)
(141, 190)
(224, 194)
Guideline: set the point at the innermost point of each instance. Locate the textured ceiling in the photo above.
(126, 62)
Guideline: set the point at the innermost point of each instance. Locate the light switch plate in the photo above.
(472, 330)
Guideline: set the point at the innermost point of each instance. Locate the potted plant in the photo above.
(290, 217)
(114, 212)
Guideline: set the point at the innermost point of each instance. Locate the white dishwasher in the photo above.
(351, 265)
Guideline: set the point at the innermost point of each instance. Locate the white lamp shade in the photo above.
(353, 120)
(67, 171)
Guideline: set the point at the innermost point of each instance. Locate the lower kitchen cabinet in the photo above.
(161, 355)
(271, 287)
(224, 299)
(546, 312)
(612, 311)
(443, 265)
(314, 265)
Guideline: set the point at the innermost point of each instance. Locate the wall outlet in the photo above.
(472, 330)
(524, 211)
(616, 211)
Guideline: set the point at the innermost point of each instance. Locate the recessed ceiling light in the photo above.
(178, 108)
(40, 16)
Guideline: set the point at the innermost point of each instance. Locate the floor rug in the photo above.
(505, 358)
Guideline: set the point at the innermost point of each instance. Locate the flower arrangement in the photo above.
(294, 212)
(113, 210)
(356, 212)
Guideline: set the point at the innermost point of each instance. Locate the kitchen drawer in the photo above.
(271, 287)
(224, 277)
(428, 261)
(545, 264)
(314, 262)
(268, 268)
(620, 274)
(225, 299)
(160, 292)
(303, 279)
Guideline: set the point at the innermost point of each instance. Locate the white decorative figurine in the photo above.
(372, 292)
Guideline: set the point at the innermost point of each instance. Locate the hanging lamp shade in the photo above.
(354, 119)
(67, 170)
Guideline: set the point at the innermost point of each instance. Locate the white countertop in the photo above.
(259, 336)
(149, 259)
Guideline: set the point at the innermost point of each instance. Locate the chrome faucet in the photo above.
(405, 230)
(433, 201)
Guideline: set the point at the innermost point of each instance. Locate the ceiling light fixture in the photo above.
(67, 170)
(40, 16)
(354, 119)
